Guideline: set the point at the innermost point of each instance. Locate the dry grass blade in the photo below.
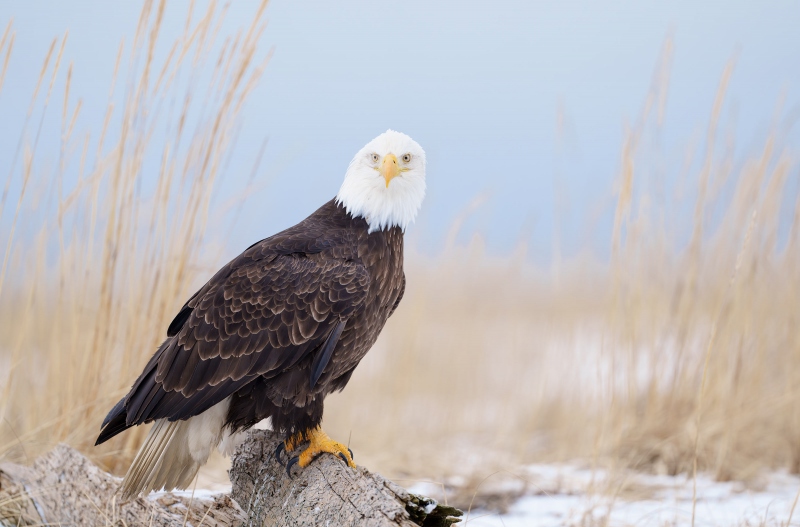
(8, 51)
(654, 359)
(125, 257)
(709, 347)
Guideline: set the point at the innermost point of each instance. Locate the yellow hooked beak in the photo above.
(389, 168)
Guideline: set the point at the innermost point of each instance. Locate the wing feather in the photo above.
(324, 356)
(259, 317)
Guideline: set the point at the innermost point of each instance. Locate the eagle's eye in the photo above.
(375, 158)
(406, 158)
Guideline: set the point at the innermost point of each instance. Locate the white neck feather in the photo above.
(382, 207)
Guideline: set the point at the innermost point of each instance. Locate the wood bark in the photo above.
(63, 487)
(327, 492)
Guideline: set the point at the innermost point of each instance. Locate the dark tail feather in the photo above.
(114, 423)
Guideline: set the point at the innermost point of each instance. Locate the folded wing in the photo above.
(255, 318)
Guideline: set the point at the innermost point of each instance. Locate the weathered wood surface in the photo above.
(327, 492)
(64, 488)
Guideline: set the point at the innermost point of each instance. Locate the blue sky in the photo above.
(478, 84)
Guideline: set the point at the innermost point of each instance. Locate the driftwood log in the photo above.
(64, 488)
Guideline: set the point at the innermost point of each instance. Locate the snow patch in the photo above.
(564, 495)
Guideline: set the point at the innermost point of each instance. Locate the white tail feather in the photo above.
(173, 452)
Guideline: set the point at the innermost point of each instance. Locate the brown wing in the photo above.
(258, 319)
(399, 295)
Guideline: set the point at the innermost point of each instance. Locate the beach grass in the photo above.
(677, 353)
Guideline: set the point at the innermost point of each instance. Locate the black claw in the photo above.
(351, 453)
(344, 458)
(292, 462)
(279, 451)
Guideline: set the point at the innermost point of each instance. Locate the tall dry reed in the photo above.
(119, 250)
(681, 353)
(671, 356)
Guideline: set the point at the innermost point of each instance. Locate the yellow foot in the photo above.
(318, 442)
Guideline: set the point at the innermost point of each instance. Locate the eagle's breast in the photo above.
(381, 252)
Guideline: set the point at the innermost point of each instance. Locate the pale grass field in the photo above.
(669, 357)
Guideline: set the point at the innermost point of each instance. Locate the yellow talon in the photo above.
(318, 442)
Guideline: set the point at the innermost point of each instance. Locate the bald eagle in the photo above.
(278, 328)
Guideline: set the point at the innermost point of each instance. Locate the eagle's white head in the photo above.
(385, 182)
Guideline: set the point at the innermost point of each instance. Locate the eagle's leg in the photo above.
(318, 442)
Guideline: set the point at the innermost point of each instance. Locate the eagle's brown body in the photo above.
(275, 330)
(278, 328)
